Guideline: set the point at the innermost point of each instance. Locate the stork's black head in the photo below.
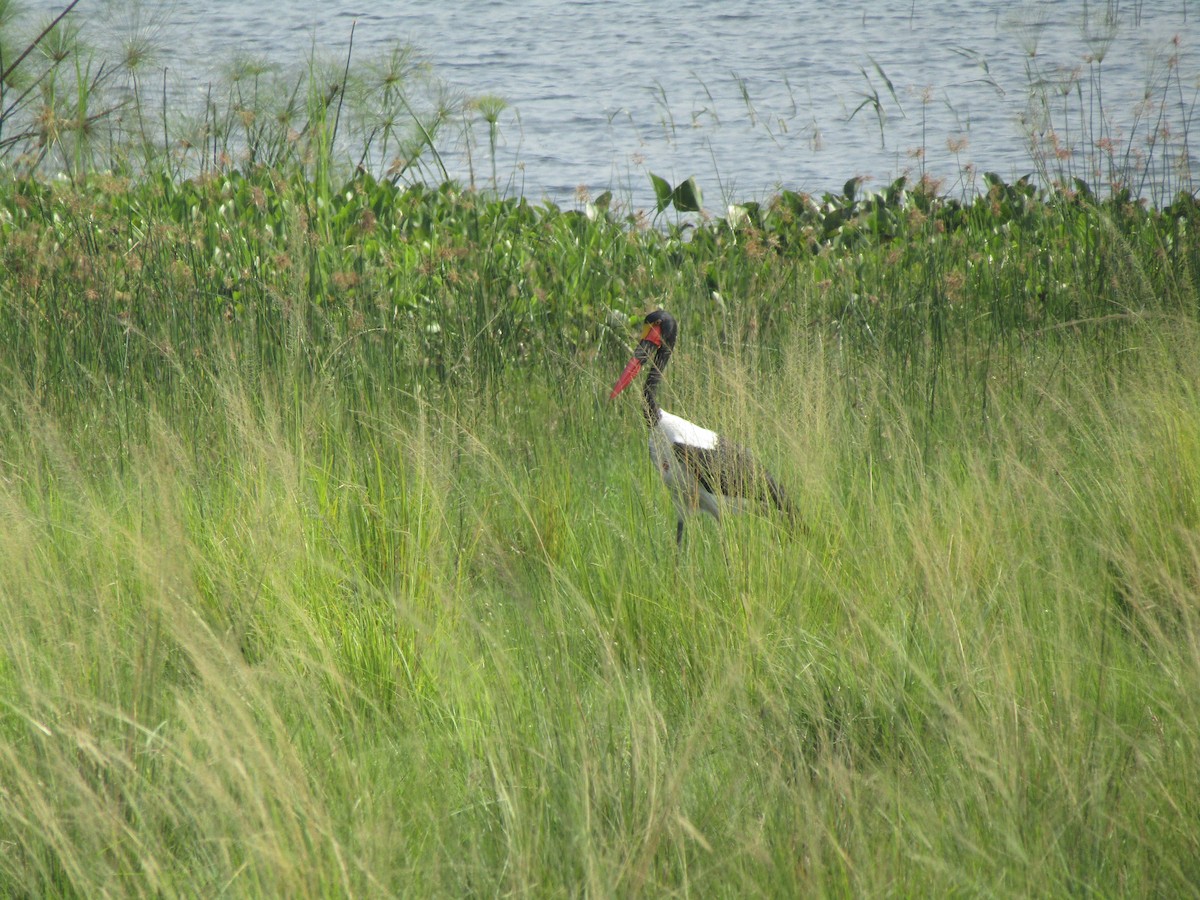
(668, 327)
(659, 339)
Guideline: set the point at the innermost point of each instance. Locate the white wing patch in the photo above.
(681, 431)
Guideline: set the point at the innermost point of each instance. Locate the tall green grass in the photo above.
(362, 641)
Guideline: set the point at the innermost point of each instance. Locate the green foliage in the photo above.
(503, 282)
(685, 196)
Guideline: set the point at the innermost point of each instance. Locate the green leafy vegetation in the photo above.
(326, 568)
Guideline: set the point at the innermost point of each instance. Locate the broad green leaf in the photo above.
(687, 196)
(662, 192)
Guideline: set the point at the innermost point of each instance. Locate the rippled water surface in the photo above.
(745, 96)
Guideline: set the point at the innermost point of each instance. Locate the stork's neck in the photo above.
(650, 391)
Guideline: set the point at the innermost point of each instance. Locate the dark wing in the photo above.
(730, 471)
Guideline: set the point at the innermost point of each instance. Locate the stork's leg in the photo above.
(679, 533)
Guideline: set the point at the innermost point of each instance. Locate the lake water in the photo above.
(748, 97)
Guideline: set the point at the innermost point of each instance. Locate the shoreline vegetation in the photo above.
(326, 569)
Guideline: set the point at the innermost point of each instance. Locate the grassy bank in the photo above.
(326, 568)
(372, 643)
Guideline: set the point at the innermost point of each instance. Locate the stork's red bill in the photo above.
(651, 337)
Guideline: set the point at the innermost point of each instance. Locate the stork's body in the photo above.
(702, 469)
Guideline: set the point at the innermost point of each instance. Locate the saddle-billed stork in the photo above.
(702, 469)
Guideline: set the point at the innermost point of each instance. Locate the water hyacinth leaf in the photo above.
(662, 192)
(686, 196)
